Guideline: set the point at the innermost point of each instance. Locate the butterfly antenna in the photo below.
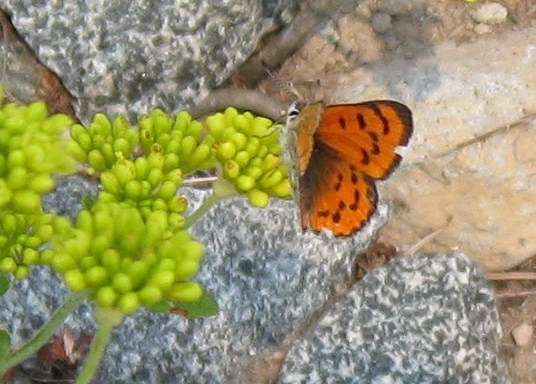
(287, 86)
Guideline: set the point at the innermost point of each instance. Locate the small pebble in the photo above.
(490, 13)
(481, 29)
(381, 22)
(522, 334)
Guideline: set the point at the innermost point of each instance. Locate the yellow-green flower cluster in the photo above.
(102, 143)
(182, 141)
(145, 184)
(247, 147)
(32, 150)
(22, 240)
(127, 261)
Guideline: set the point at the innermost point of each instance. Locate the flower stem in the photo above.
(222, 189)
(44, 334)
(107, 319)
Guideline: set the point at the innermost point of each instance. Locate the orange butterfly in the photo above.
(341, 150)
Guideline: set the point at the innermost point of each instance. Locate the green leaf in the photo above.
(4, 283)
(206, 306)
(88, 201)
(5, 341)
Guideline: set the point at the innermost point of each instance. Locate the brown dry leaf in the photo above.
(24, 78)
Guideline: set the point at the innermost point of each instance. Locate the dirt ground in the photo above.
(381, 30)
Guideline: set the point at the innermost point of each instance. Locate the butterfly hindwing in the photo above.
(365, 134)
(335, 195)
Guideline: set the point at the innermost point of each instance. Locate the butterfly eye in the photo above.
(293, 111)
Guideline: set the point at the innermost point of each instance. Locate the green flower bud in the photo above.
(45, 232)
(155, 177)
(261, 126)
(263, 151)
(96, 160)
(253, 171)
(177, 204)
(16, 158)
(123, 146)
(185, 292)
(36, 111)
(41, 183)
(111, 260)
(188, 145)
(122, 282)
(30, 256)
(87, 263)
(27, 201)
(162, 279)
(241, 122)
(76, 151)
(110, 183)
(9, 224)
(107, 152)
(56, 124)
(100, 243)
(171, 161)
(174, 176)
(193, 250)
(63, 262)
(9, 265)
(133, 190)
(142, 168)
(128, 303)
(101, 124)
(98, 141)
(162, 124)
(216, 124)
(230, 113)
(283, 189)
(138, 271)
(195, 129)
(244, 183)
(146, 139)
(258, 198)
(96, 276)
(176, 221)
(200, 154)
(33, 242)
(17, 178)
(21, 272)
(182, 121)
(239, 140)
(106, 296)
(156, 160)
(252, 146)
(81, 136)
(75, 280)
(167, 190)
(242, 158)
(231, 169)
(186, 269)
(226, 150)
(270, 180)
(269, 162)
(125, 171)
(150, 295)
(119, 127)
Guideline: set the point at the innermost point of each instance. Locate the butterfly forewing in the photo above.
(366, 134)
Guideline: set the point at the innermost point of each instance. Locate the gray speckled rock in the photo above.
(420, 319)
(132, 56)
